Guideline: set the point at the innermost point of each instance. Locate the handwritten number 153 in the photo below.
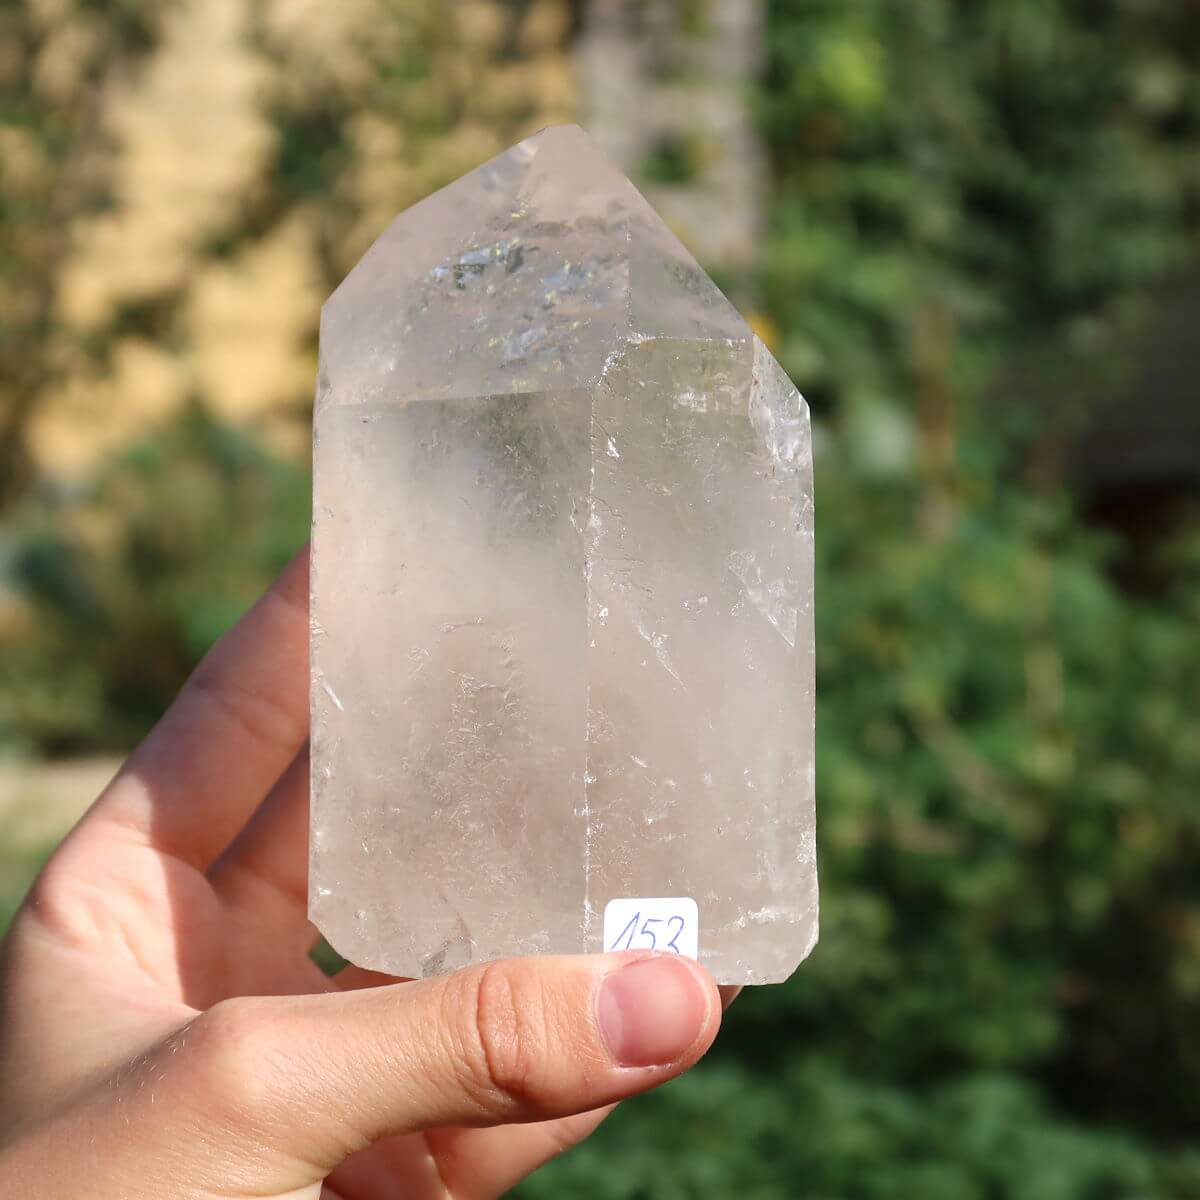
(649, 939)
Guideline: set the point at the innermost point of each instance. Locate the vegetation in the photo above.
(971, 208)
(123, 586)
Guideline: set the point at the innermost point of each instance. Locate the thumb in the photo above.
(312, 1079)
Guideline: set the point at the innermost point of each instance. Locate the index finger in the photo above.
(230, 734)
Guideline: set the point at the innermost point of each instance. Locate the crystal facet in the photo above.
(562, 641)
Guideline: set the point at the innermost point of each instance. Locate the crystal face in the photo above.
(562, 634)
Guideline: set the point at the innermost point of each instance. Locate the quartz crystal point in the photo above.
(562, 620)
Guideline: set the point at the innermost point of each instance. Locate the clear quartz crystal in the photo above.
(562, 637)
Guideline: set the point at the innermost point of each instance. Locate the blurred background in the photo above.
(970, 229)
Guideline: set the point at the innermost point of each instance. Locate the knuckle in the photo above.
(78, 900)
(233, 1068)
(52, 901)
(258, 709)
(508, 1036)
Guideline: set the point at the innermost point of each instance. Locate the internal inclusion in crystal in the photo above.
(562, 587)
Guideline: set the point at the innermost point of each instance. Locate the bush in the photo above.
(116, 591)
(819, 1133)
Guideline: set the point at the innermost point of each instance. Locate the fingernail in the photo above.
(651, 1012)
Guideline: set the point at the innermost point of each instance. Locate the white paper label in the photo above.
(670, 924)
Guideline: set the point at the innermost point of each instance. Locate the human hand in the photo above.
(164, 1033)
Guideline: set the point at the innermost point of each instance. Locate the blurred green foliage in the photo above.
(971, 206)
(129, 580)
(821, 1133)
(18, 867)
(959, 181)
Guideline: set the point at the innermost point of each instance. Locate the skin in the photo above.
(164, 1034)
